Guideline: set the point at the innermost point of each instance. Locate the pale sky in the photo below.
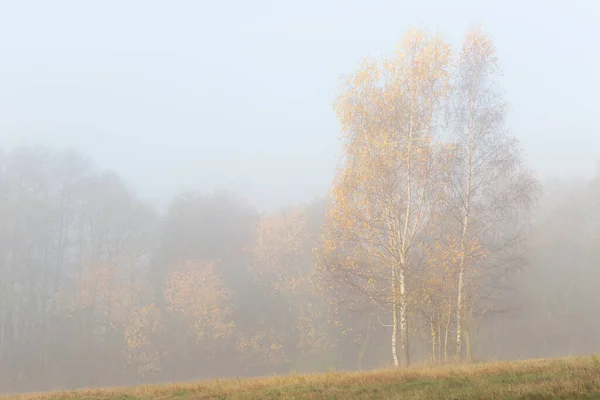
(177, 95)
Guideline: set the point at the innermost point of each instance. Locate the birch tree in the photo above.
(489, 182)
(384, 193)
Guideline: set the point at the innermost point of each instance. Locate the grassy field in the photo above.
(568, 378)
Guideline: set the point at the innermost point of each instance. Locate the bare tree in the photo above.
(489, 183)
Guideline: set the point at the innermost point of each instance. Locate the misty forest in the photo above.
(436, 243)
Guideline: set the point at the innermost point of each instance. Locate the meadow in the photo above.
(564, 378)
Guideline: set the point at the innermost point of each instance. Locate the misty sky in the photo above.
(237, 94)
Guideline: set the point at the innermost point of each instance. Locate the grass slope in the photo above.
(568, 378)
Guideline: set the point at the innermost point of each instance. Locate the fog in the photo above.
(164, 181)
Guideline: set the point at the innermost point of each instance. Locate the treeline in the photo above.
(97, 289)
(423, 252)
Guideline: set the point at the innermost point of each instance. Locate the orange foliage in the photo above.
(197, 292)
(117, 303)
(282, 258)
(383, 195)
(280, 252)
(266, 345)
(140, 351)
(108, 291)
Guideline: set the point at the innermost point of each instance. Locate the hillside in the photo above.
(566, 378)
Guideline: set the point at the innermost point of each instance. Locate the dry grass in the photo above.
(568, 378)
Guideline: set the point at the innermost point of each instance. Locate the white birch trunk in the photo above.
(464, 232)
(394, 319)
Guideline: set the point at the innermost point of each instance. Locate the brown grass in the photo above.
(567, 378)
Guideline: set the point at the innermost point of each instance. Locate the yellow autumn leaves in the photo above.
(422, 142)
(388, 188)
(197, 292)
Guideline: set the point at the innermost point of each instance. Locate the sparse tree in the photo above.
(489, 184)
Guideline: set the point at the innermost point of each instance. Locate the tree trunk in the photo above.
(433, 341)
(462, 261)
(447, 333)
(468, 343)
(363, 348)
(404, 321)
(394, 319)
(459, 316)
(470, 337)
(403, 249)
(439, 337)
(465, 222)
